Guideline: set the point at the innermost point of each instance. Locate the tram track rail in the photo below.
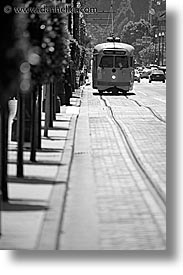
(154, 188)
(155, 113)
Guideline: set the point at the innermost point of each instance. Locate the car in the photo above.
(140, 69)
(137, 76)
(153, 68)
(163, 68)
(145, 74)
(157, 75)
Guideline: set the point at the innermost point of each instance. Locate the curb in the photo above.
(49, 233)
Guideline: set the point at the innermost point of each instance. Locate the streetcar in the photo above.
(113, 66)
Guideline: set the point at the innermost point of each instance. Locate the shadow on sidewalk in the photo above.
(60, 128)
(110, 94)
(43, 150)
(62, 120)
(55, 138)
(21, 206)
(37, 162)
(49, 150)
(57, 129)
(33, 180)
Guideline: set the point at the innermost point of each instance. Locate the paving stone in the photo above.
(127, 216)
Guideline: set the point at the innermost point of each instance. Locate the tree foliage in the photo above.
(34, 47)
(13, 51)
(136, 30)
(147, 55)
(50, 43)
(96, 32)
(123, 15)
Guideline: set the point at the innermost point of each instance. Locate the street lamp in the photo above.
(155, 51)
(162, 48)
(159, 51)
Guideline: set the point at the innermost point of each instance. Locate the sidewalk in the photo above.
(31, 217)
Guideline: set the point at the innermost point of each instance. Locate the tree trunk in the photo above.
(0, 169)
(20, 134)
(39, 117)
(54, 102)
(33, 125)
(51, 106)
(47, 110)
(3, 151)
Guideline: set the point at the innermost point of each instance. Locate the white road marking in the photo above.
(142, 93)
(162, 100)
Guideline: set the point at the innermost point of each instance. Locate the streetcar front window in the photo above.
(121, 62)
(106, 62)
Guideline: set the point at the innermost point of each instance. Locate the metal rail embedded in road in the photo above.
(155, 113)
(157, 193)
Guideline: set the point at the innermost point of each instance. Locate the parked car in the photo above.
(153, 68)
(145, 74)
(140, 69)
(157, 75)
(137, 76)
(163, 68)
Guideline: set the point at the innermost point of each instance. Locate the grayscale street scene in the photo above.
(83, 125)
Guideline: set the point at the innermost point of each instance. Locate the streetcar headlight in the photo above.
(113, 77)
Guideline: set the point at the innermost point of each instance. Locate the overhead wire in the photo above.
(106, 25)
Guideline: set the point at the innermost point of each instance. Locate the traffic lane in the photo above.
(112, 208)
(145, 130)
(151, 95)
(155, 90)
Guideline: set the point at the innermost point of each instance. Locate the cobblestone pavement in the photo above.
(147, 135)
(109, 206)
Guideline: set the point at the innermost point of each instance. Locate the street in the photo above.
(99, 182)
(156, 91)
(117, 185)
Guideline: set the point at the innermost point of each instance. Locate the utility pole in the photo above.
(159, 49)
(162, 48)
